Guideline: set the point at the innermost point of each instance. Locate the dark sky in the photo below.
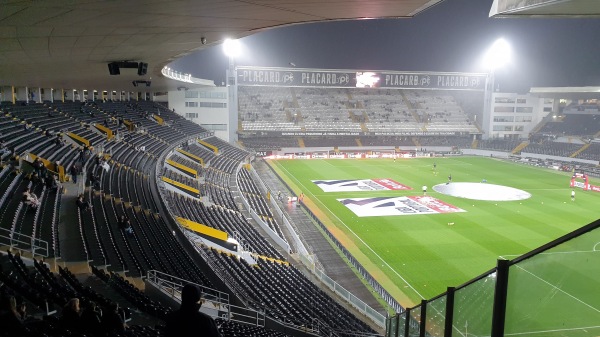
(451, 36)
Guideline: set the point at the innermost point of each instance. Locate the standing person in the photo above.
(424, 189)
(449, 179)
(572, 195)
(188, 320)
(74, 171)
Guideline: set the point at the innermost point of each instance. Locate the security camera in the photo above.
(203, 40)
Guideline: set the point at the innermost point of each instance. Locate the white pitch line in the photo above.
(359, 238)
(546, 331)
(552, 253)
(557, 288)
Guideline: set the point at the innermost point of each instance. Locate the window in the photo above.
(521, 100)
(191, 115)
(215, 127)
(523, 119)
(525, 109)
(213, 105)
(191, 94)
(504, 100)
(519, 128)
(502, 128)
(504, 119)
(547, 109)
(504, 109)
(191, 104)
(213, 94)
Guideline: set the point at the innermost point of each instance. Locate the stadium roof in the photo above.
(545, 8)
(572, 93)
(68, 44)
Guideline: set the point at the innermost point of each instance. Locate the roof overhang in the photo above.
(545, 8)
(68, 44)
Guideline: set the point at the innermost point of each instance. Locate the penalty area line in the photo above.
(358, 237)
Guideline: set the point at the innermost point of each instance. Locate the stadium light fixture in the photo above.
(232, 48)
(498, 55)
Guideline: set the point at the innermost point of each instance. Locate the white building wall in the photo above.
(515, 116)
(207, 106)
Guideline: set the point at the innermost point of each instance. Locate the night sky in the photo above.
(451, 36)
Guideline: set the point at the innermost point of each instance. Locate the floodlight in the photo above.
(498, 55)
(231, 48)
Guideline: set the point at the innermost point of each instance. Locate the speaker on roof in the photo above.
(142, 68)
(113, 68)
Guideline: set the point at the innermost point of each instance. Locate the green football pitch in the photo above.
(419, 256)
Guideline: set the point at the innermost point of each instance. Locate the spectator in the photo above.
(11, 321)
(125, 225)
(38, 164)
(112, 321)
(51, 182)
(91, 319)
(30, 199)
(74, 170)
(82, 204)
(188, 320)
(70, 319)
(4, 150)
(94, 181)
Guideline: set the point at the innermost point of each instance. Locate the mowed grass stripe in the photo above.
(424, 249)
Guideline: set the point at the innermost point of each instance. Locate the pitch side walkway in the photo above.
(333, 265)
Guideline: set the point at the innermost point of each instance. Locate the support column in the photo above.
(423, 321)
(499, 309)
(448, 320)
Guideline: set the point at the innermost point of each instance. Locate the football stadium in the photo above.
(141, 200)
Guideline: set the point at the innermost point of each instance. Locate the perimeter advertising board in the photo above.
(295, 77)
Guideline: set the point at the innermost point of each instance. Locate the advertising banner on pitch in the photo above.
(360, 185)
(393, 206)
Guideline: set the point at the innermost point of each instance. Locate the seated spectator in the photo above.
(30, 199)
(125, 224)
(91, 319)
(112, 321)
(82, 204)
(51, 181)
(188, 320)
(11, 321)
(94, 181)
(70, 319)
(4, 150)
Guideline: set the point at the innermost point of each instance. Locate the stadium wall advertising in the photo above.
(294, 77)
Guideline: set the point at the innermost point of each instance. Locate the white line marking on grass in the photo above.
(555, 330)
(358, 237)
(557, 288)
(552, 253)
(596, 246)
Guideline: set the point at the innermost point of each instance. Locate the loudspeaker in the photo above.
(113, 68)
(142, 68)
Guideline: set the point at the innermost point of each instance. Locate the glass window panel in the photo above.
(555, 293)
(415, 320)
(473, 306)
(436, 316)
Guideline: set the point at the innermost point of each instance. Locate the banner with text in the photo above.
(294, 77)
(360, 185)
(393, 206)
